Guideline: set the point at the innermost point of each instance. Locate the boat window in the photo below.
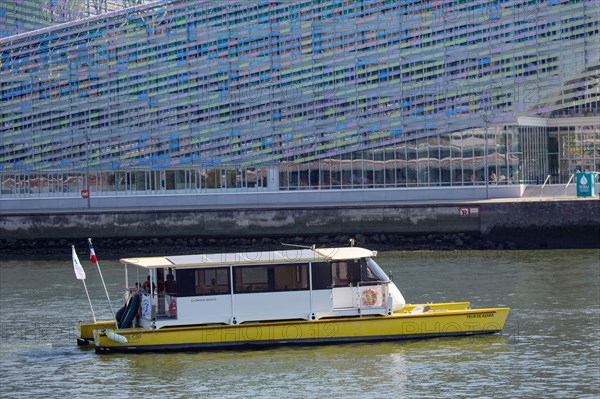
(288, 278)
(321, 275)
(345, 273)
(251, 279)
(202, 281)
(271, 278)
(370, 271)
(213, 281)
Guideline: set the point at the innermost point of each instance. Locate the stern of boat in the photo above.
(85, 330)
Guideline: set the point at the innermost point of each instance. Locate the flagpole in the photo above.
(80, 274)
(103, 284)
(89, 300)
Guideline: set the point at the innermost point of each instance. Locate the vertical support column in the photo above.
(231, 296)
(273, 177)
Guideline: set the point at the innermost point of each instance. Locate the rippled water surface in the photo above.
(550, 346)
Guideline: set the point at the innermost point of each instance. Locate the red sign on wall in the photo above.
(469, 211)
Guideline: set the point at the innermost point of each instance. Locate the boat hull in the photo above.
(434, 322)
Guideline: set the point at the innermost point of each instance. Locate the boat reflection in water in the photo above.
(305, 296)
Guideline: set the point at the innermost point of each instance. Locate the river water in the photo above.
(550, 346)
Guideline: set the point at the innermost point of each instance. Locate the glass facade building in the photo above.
(286, 95)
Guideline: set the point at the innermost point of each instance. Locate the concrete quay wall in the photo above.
(532, 224)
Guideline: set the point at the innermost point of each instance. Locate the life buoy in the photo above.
(369, 297)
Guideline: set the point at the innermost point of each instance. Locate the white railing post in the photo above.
(545, 181)
(571, 178)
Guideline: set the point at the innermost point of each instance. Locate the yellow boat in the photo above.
(305, 296)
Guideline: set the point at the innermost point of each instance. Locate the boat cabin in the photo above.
(234, 288)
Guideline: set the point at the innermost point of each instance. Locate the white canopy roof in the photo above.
(251, 258)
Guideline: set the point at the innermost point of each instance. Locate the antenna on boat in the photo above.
(298, 246)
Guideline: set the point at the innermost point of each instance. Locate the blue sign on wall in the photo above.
(586, 184)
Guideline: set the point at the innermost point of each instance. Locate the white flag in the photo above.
(79, 272)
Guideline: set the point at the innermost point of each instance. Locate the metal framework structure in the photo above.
(18, 16)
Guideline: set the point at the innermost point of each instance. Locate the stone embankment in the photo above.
(127, 247)
(506, 224)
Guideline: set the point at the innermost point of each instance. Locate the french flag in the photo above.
(92, 253)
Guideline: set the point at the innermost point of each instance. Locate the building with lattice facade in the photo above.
(282, 95)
